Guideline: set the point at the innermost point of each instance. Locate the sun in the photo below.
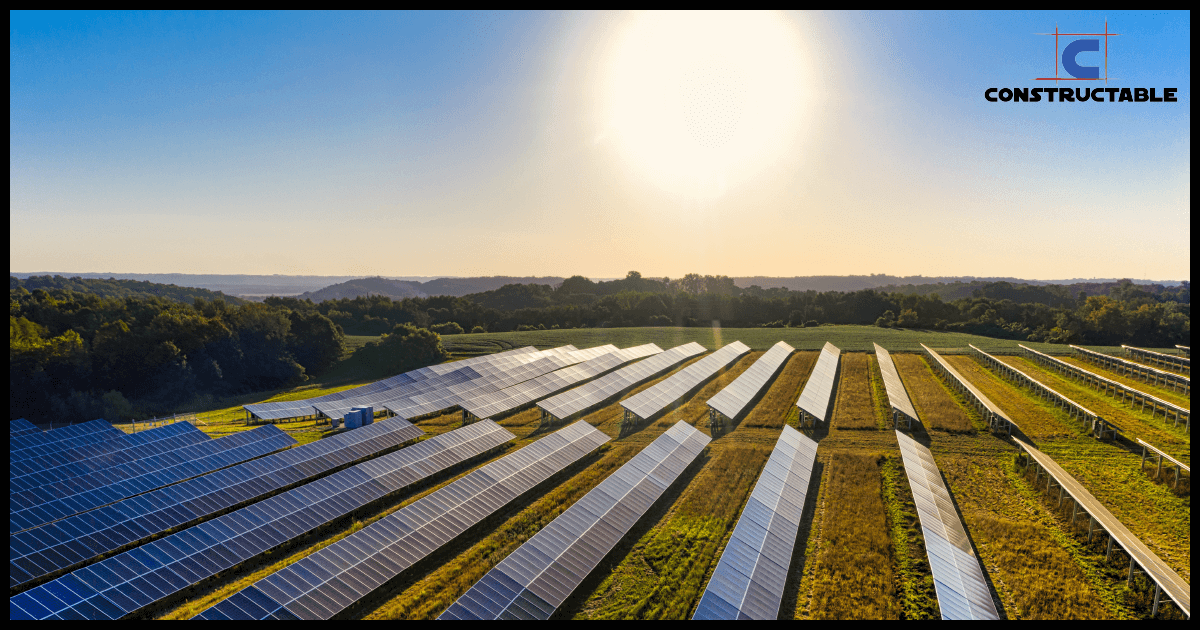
(700, 102)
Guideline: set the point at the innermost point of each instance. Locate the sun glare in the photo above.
(699, 102)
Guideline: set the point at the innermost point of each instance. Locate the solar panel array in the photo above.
(325, 583)
(474, 374)
(1111, 387)
(896, 393)
(732, 400)
(38, 471)
(30, 445)
(652, 400)
(365, 394)
(495, 378)
(533, 581)
(814, 400)
(107, 591)
(578, 400)
(20, 426)
(1163, 575)
(1145, 372)
(495, 403)
(88, 492)
(80, 538)
(958, 579)
(1099, 426)
(1183, 364)
(749, 579)
(995, 417)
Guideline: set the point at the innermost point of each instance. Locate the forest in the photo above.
(119, 349)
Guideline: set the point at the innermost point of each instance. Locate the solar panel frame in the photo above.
(112, 527)
(733, 399)
(897, 394)
(958, 578)
(544, 571)
(651, 401)
(302, 508)
(414, 531)
(818, 390)
(43, 443)
(20, 426)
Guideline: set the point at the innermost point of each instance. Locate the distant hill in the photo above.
(113, 288)
(459, 287)
(395, 289)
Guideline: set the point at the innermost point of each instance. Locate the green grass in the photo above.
(911, 564)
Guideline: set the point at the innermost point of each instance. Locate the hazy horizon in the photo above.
(535, 144)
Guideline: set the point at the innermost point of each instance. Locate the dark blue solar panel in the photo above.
(326, 582)
(74, 495)
(48, 549)
(40, 472)
(21, 427)
(43, 443)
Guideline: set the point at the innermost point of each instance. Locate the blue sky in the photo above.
(480, 144)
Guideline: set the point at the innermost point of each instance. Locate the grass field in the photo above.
(854, 577)
(1165, 393)
(854, 407)
(859, 553)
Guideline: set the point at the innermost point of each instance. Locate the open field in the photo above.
(855, 406)
(1165, 393)
(859, 553)
(934, 403)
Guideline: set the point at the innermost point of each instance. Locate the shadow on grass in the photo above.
(799, 556)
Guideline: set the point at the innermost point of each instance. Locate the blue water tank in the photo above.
(366, 415)
(353, 419)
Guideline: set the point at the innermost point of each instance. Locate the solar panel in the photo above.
(995, 417)
(495, 378)
(1145, 372)
(365, 394)
(648, 402)
(962, 590)
(323, 584)
(47, 442)
(73, 496)
(39, 472)
(814, 400)
(897, 395)
(20, 426)
(749, 579)
(492, 404)
(731, 401)
(80, 538)
(197, 553)
(571, 403)
(541, 574)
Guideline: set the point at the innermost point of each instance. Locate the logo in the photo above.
(1074, 70)
(1071, 50)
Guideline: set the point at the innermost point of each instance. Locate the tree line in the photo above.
(78, 354)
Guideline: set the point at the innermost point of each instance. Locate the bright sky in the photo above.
(592, 143)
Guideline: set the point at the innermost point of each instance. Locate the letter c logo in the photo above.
(1074, 69)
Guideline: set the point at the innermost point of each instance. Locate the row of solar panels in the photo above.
(21, 426)
(81, 606)
(72, 462)
(80, 538)
(30, 445)
(413, 381)
(648, 402)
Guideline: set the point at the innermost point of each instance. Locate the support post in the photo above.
(1108, 554)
